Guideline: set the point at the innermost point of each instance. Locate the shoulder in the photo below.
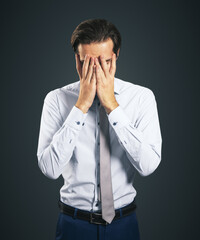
(136, 90)
(57, 93)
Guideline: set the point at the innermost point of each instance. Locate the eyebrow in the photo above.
(106, 60)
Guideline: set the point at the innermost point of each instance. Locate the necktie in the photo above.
(107, 203)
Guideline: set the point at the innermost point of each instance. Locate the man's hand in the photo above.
(105, 83)
(87, 83)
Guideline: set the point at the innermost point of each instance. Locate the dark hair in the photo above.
(95, 30)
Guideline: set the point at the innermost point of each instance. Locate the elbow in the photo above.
(148, 169)
(50, 175)
(145, 173)
(47, 171)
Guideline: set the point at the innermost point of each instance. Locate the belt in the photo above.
(95, 217)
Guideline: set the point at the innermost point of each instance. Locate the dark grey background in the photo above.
(160, 50)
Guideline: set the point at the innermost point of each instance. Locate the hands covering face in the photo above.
(102, 75)
(91, 63)
(105, 80)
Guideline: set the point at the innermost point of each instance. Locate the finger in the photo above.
(90, 71)
(99, 70)
(85, 65)
(78, 65)
(113, 65)
(104, 66)
(93, 74)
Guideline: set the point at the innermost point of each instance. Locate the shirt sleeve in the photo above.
(142, 139)
(57, 139)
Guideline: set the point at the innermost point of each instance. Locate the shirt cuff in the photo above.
(76, 118)
(118, 118)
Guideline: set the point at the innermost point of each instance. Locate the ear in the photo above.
(78, 65)
(118, 53)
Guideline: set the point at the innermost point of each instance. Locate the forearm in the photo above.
(57, 154)
(144, 154)
(56, 143)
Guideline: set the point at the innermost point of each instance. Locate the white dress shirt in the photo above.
(69, 143)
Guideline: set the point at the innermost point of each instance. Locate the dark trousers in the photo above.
(71, 228)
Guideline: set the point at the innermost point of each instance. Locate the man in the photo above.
(96, 132)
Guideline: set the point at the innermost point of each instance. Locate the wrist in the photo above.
(82, 107)
(111, 107)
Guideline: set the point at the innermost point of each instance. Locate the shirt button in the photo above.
(96, 204)
(98, 185)
(115, 123)
(98, 164)
(98, 143)
(98, 123)
(78, 122)
(98, 103)
(83, 124)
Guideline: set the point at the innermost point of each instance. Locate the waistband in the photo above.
(95, 217)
